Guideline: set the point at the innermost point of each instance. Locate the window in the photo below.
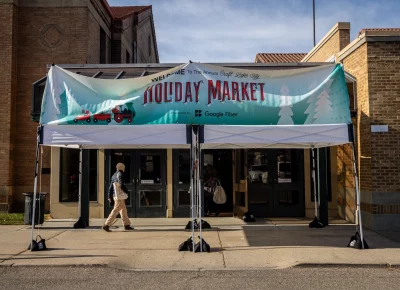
(149, 45)
(37, 96)
(127, 57)
(184, 168)
(103, 46)
(69, 175)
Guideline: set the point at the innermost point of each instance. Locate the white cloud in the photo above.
(235, 31)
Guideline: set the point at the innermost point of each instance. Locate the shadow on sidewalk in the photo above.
(302, 236)
(40, 257)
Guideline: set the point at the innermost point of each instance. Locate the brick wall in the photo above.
(331, 44)
(357, 65)
(144, 33)
(8, 75)
(93, 40)
(127, 39)
(46, 35)
(384, 98)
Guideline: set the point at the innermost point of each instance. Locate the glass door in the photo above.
(150, 168)
(181, 165)
(260, 180)
(288, 186)
(240, 186)
(145, 179)
(276, 182)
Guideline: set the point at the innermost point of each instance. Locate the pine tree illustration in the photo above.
(323, 109)
(311, 108)
(286, 112)
(316, 105)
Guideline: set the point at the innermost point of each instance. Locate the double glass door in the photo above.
(182, 170)
(145, 179)
(275, 182)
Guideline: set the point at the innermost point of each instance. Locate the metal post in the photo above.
(358, 196)
(192, 186)
(313, 10)
(199, 207)
(80, 183)
(35, 185)
(314, 182)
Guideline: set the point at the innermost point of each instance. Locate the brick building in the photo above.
(372, 64)
(35, 33)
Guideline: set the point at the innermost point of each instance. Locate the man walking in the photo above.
(119, 204)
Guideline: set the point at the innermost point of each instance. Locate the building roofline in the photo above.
(338, 26)
(171, 65)
(259, 56)
(153, 28)
(368, 36)
(132, 13)
(105, 3)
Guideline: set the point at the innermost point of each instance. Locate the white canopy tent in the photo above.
(306, 136)
(163, 115)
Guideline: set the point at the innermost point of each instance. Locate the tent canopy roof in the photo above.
(261, 132)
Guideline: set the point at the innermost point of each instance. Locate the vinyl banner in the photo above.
(202, 94)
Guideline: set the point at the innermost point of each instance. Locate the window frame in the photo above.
(85, 178)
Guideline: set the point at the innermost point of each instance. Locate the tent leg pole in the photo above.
(198, 156)
(358, 214)
(314, 182)
(80, 184)
(315, 223)
(34, 187)
(193, 185)
(80, 224)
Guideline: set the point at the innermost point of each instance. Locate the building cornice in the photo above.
(336, 28)
(368, 36)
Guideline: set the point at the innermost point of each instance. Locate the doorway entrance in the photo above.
(221, 160)
(145, 178)
(269, 182)
(275, 182)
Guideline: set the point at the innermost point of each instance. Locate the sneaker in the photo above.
(106, 228)
(128, 228)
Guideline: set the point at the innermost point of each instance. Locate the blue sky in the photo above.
(235, 31)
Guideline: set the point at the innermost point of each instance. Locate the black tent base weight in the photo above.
(80, 224)
(316, 224)
(357, 243)
(205, 225)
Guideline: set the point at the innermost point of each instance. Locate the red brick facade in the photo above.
(8, 85)
(35, 34)
(374, 60)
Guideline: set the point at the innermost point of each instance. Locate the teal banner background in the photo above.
(200, 94)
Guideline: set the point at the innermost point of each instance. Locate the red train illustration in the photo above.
(119, 116)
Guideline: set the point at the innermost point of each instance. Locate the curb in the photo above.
(303, 265)
(342, 265)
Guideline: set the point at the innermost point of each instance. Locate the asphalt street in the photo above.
(108, 278)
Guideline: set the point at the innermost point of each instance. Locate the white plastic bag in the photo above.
(119, 193)
(219, 194)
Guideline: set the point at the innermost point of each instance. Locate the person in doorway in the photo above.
(119, 205)
(210, 183)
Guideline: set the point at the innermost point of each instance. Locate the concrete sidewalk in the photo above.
(269, 243)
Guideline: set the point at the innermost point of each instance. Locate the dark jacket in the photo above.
(118, 176)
